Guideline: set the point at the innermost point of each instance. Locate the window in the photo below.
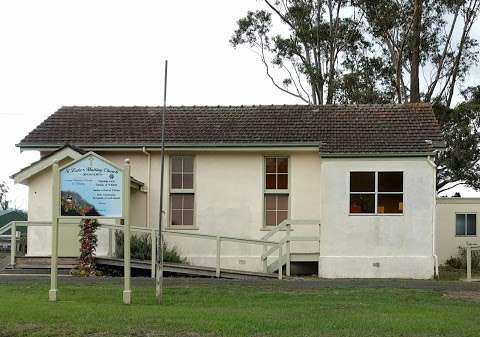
(182, 194)
(466, 224)
(376, 192)
(276, 190)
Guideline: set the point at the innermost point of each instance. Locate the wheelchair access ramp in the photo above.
(186, 269)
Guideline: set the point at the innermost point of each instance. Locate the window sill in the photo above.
(376, 214)
(186, 228)
(465, 236)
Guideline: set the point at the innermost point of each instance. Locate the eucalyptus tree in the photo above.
(303, 44)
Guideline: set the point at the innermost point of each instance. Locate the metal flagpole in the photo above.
(159, 273)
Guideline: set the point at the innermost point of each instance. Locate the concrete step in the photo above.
(32, 271)
(43, 262)
(304, 257)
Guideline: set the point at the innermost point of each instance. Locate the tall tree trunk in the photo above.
(415, 58)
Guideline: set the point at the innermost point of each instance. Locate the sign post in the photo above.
(92, 188)
(52, 294)
(127, 292)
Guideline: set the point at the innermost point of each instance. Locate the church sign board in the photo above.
(91, 187)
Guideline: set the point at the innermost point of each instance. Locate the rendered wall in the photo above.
(229, 201)
(374, 246)
(447, 241)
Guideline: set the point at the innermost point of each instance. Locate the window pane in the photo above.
(471, 224)
(282, 182)
(281, 215)
(362, 181)
(282, 202)
(176, 181)
(188, 180)
(188, 218)
(176, 200)
(188, 201)
(176, 218)
(390, 203)
(362, 203)
(390, 181)
(270, 202)
(270, 218)
(460, 224)
(177, 164)
(282, 165)
(270, 165)
(187, 164)
(271, 182)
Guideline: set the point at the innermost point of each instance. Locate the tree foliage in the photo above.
(363, 51)
(459, 164)
(3, 196)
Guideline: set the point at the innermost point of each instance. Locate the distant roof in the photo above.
(9, 210)
(335, 129)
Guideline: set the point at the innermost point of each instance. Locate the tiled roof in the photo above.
(336, 129)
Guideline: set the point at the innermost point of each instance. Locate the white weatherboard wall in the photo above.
(372, 246)
(447, 240)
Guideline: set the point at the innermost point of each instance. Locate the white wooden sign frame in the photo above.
(124, 217)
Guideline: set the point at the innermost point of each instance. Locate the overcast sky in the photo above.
(111, 52)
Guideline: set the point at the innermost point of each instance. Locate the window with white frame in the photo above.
(276, 190)
(182, 194)
(466, 224)
(376, 192)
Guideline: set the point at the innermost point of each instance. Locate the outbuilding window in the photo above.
(276, 190)
(376, 192)
(182, 193)
(466, 224)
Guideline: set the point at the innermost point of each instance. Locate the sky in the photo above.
(112, 52)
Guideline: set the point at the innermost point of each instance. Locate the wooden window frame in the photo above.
(173, 191)
(275, 191)
(376, 192)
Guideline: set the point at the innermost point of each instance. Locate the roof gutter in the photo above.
(170, 145)
(376, 154)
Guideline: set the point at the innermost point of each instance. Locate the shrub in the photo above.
(460, 260)
(141, 248)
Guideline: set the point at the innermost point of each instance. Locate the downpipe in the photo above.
(434, 216)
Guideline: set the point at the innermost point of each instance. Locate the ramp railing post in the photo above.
(13, 243)
(219, 244)
(280, 262)
(288, 248)
(469, 263)
(154, 252)
(110, 242)
(265, 264)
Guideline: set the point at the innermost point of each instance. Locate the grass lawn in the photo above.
(232, 310)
